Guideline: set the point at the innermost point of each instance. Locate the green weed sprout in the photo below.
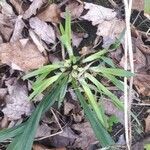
(79, 74)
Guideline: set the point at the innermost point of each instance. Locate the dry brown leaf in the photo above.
(41, 147)
(18, 5)
(102, 13)
(7, 9)
(1, 40)
(17, 101)
(113, 110)
(17, 33)
(6, 31)
(66, 138)
(147, 124)
(36, 4)
(109, 26)
(43, 131)
(138, 5)
(22, 55)
(87, 136)
(75, 9)
(43, 30)
(3, 92)
(142, 84)
(77, 39)
(50, 14)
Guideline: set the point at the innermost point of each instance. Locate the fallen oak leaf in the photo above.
(43, 30)
(50, 14)
(22, 53)
(36, 4)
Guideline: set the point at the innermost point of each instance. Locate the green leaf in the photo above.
(115, 81)
(101, 87)
(39, 80)
(38, 89)
(100, 114)
(100, 132)
(112, 71)
(108, 61)
(95, 56)
(42, 70)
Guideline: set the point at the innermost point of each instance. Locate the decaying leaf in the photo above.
(42, 147)
(22, 55)
(86, 137)
(66, 138)
(18, 5)
(43, 30)
(36, 4)
(17, 102)
(43, 131)
(113, 110)
(102, 13)
(50, 14)
(109, 26)
(147, 124)
(6, 31)
(17, 33)
(138, 5)
(75, 9)
(142, 84)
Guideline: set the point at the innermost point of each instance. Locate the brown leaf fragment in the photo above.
(43, 30)
(147, 124)
(138, 5)
(6, 31)
(142, 84)
(50, 14)
(86, 137)
(75, 9)
(1, 40)
(18, 5)
(22, 55)
(102, 13)
(17, 33)
(42, 147)
(17, 102)
(36, 4)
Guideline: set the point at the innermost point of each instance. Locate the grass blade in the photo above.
(112, 71)
(101, 87)
(108, 61)
(40, 88)
(115, 81)
(100, 132)
(44, 69)
(95, 56)
(100, 114)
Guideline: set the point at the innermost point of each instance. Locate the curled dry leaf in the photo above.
(22, 55)
(50, 14)
(17, 102)
(36, 4)
(43, 30)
